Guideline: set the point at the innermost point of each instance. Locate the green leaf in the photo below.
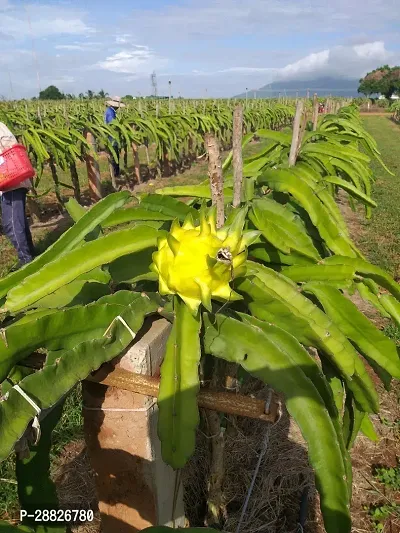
(76, 262)
(332, 150)
(337, 275)
(57, 330)
(179, 385)
(167, 206)
(51, 383)
(36, 490)
(286, 181)
(265, 252)
(274, 298)
(131, 214)
(368, 340)
(269, 359)
(391, 306)
(199, 191)
(78, 292)
(367, 428)
(69, 240)
(133, 267)
(352, 419)
(348, 187)
(245, 141)
(363, 268)
(281, 228)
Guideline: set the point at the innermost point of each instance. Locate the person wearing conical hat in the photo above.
(111, 112)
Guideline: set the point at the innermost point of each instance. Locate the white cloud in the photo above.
(42, 20)
(69, 47)
(190, 19)
(123, 39)
(139, 60)
(346, 61)
(82, 46)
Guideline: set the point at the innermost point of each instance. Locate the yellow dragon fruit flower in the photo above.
(198, 262)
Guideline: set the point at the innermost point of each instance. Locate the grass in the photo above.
(380, 239)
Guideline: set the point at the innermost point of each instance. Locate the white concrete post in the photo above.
(135, 487)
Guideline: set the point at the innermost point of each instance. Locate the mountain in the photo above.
(322, 86)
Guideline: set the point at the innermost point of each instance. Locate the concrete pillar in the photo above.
(135, 487)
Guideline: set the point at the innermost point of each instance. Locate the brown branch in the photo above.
(296, 131)
(215, 175)
(237, 159)
(315, 112)
(93, 170)
(224, 402)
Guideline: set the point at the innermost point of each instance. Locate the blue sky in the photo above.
(213, 48)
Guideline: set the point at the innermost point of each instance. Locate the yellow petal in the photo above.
(192, 303)
(173, 243)
(163, 287)
(188, 222)
(205, 293)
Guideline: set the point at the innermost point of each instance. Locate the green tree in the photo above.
(102, 94)
(51, 93)
(128, 97)
(90, 94)
(383, 80)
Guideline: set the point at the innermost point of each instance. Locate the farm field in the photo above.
(375, 469)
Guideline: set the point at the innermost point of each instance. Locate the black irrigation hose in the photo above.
(303, 510)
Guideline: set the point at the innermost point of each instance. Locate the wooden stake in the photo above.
(315, 112)
(296, 131)
(237, 159)
(112, 175)
(224, 402)
(92, 167)
(215, 175)
(136, 162)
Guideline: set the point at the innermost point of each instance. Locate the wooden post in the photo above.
(92, 167)
(296, 131)
(315, 112)
(327, 106)
(237, 159)
(215, 175)
(112, 175)
(136, 162)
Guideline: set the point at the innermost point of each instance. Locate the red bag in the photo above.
(15, 167)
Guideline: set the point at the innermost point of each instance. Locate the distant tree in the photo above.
(90, 94)
(102, 94)
(81, 96)
(51, 93)
(70, 96)
(128, 97)
(383, 80)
